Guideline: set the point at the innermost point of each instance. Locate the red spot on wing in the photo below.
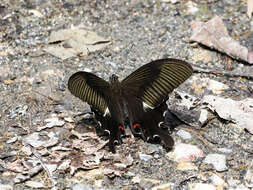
(121, 127)
(136, 125)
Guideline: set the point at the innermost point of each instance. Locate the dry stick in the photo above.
(48, 97)
(37, 155)
(223, 73)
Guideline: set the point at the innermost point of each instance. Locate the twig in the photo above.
(48, 97)
(37, 155)
(222, 73)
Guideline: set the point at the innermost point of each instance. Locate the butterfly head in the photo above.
(114, 79)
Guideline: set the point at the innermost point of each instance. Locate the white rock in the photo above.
(217, 180)
(241, 187)
(34, 184)
(145, 157)
(203, 115)
(185, 152)
(184, 134)
(225, 150)
(201, 186)
(217, 160)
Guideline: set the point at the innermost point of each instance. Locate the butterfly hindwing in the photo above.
(109, 125)
(152, 121)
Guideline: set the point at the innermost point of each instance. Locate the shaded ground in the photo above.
(33, 87)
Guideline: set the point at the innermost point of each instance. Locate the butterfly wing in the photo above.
(151, 84)
(154, 81)
(91, 89)
(152, 121)
(96, 92)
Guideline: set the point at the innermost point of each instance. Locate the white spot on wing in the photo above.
(107, 112)
(155, 136)
(164, 113)
(107, 131)
(160, 123)
(146, 106)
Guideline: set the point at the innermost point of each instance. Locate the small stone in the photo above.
(185, 152)
(217, 160)
(145, 157)
(225, 150)
(192, 8)
(153, 148)
(241, 187)
(68, 119)
(34, 184)
(13, 139)
(5, 187)
(129, 174)
(201, 186)
(184, 134)
(81, 187)
(233, 182)
(217, 180)
(183, 166)
(203, 116)
(136, 179)
(120, 165)
(166, 186)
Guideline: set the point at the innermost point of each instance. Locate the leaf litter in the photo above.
(215, 35)
(68, 43)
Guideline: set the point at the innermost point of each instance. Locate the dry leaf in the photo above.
(214, 35)
(240, 112)
(71, 42)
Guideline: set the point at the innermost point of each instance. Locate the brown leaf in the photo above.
(214, 35)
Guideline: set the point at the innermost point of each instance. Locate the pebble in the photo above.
(129, 174)
(166, 186)
(5, 187)
(153, 148)
(81, 187)
(225, 150)
(186, 152)
(241, 187)
(203, 116)
(217, 180)
(184, 134)
(233, 182)
(145, 157)
(183, 166)
(34, 184)
(217, 160)
(201, 186)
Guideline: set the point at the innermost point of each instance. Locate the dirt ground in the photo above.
(69, 155)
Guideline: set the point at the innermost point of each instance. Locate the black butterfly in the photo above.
(141, 97)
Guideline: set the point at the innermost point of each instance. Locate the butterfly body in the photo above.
(140, 97)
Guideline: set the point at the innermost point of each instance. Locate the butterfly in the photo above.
(139, 99)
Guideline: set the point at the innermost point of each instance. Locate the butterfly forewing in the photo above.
(89, 88)
(154, 81)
